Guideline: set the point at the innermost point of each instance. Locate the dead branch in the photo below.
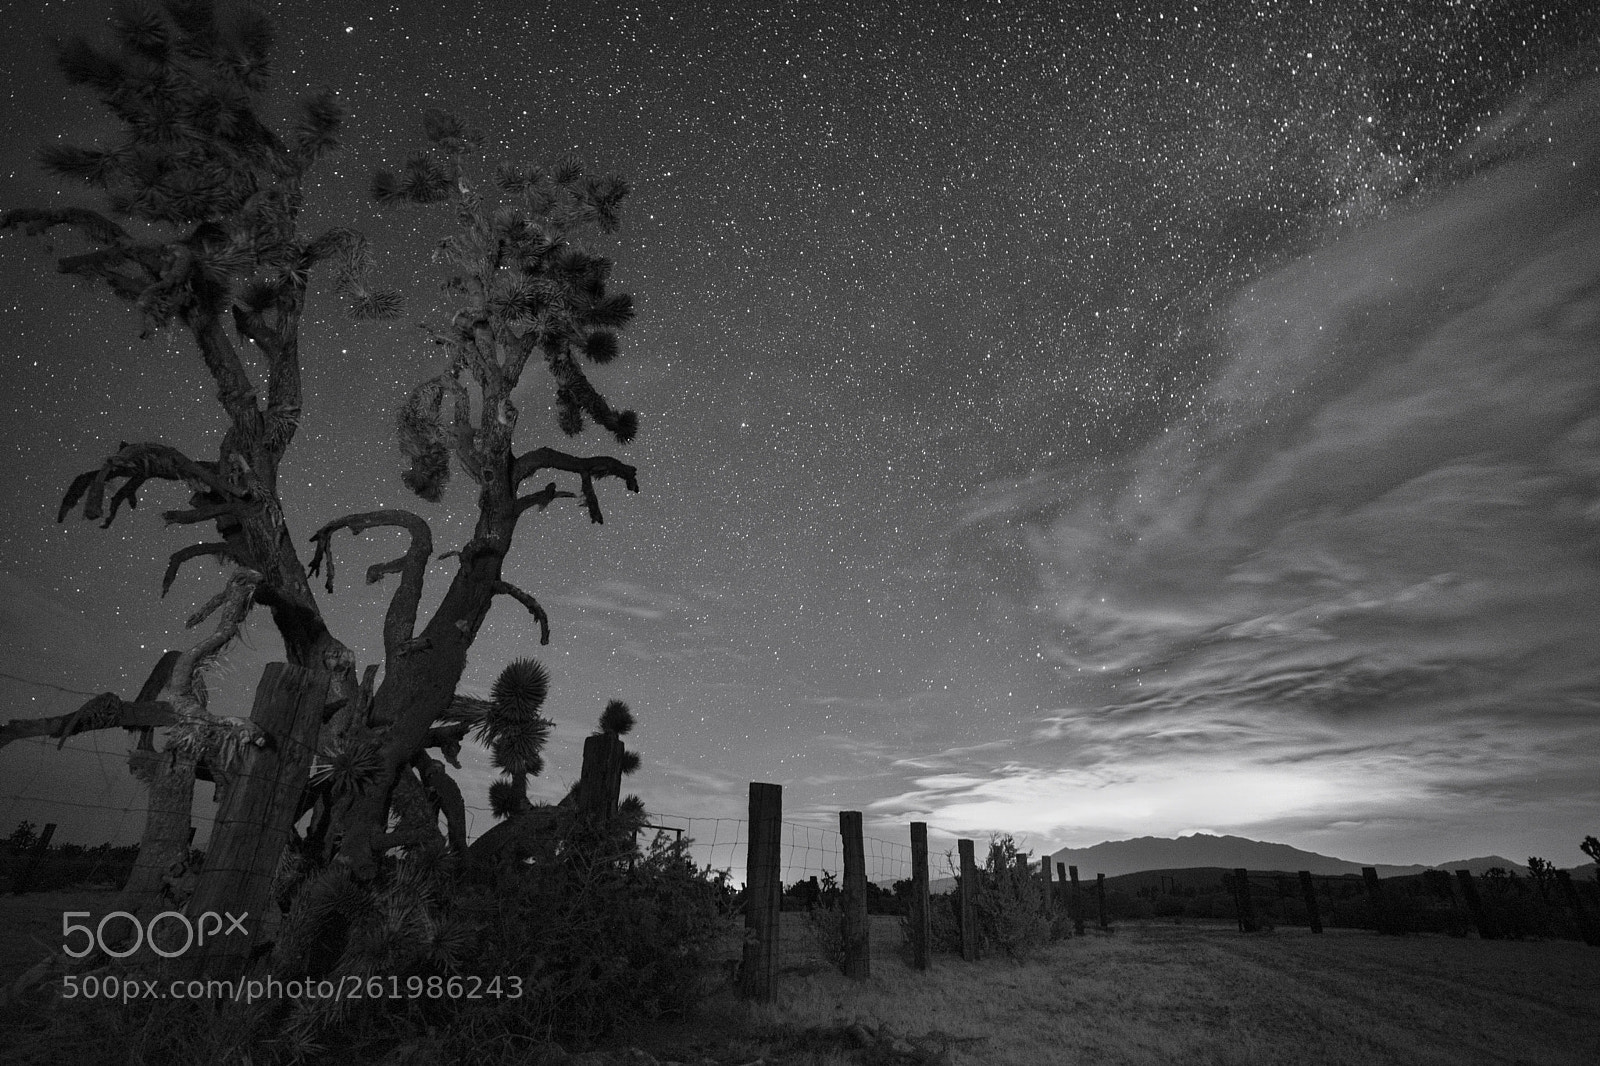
(235, 601)
(587, 467)
(139, 463)
(412, 567)
(447, 799)
(36, 221)
(105, 711)
(506, 588)
(448, 738)
(543, 498)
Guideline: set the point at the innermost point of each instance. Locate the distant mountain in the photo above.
(1116, 857)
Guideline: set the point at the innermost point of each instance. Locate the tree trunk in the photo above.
(166, 828)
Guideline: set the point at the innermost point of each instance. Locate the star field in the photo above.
(946, 318)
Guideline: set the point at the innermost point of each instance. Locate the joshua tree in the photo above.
(523, 286)
(214, 253)
(197, 162)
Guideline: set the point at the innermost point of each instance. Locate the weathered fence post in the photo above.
(1308, 889)
(1580, 913)
(1049, 887)
(1075, 904)
(1100, 896)
(1241, 898)
(969, 902)
(1380, 906)
(920, 917)
(853, 928)
(257, 815)
(1469, 889)
(1061, 882)
(40, 846)
(600, 782)
(763, 886)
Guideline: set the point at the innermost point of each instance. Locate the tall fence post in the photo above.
(1075, 903)
(1241, 896)
(600, 781)
(1049, 887)
(257, 815)
(1061, 885)
(853, 928)
(40, 846)
(1381, 918)
(920, 917)
(1100, 895)
(1469, 889)
(969, 902)
(1580, 913)
(1308, 889)
(763, 887)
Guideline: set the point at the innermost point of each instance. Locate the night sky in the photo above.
(1056, 421)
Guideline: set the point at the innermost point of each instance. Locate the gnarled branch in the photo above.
(543, 498)
(506, 588)
(412, 567)
(139, 463)
(39, 220)
(587, 467)
(183, 555)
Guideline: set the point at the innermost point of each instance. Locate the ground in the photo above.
(1143, 994)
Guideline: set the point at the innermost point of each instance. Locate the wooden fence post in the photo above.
(1380, 906)
(920, 917)
(1580, 913)
(1049, 887)
(1075, 904)
(40, 846)
(1061, 885)
(853, 928)
(1241, 897)
(969, 902)
(600, 783)
(763, 888)
(257, 815)
(1469, 889)
(1100, 895)
(1308, 889)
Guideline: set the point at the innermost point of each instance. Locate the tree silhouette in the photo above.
(523, 286)
(211, 197)
(197, 165)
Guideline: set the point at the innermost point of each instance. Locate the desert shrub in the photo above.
(1010, 906)
(589, 933)
(602, 933)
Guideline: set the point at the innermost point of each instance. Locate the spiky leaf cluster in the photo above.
(420, 432)
(522, 277)
(347, 768)
(512, 726)
(184, 78)
(617, 718)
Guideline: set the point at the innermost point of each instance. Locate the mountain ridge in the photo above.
(1116, 857)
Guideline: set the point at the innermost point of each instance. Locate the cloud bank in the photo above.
(1357, 591)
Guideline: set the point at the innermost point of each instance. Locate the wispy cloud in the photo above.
(1365, 568)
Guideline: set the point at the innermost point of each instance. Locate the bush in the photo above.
(1010, 907)
(589, 934)
(604, 935)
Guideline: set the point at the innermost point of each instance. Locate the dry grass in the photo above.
(30, 925)
(1164, 994)
(1150, 994)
